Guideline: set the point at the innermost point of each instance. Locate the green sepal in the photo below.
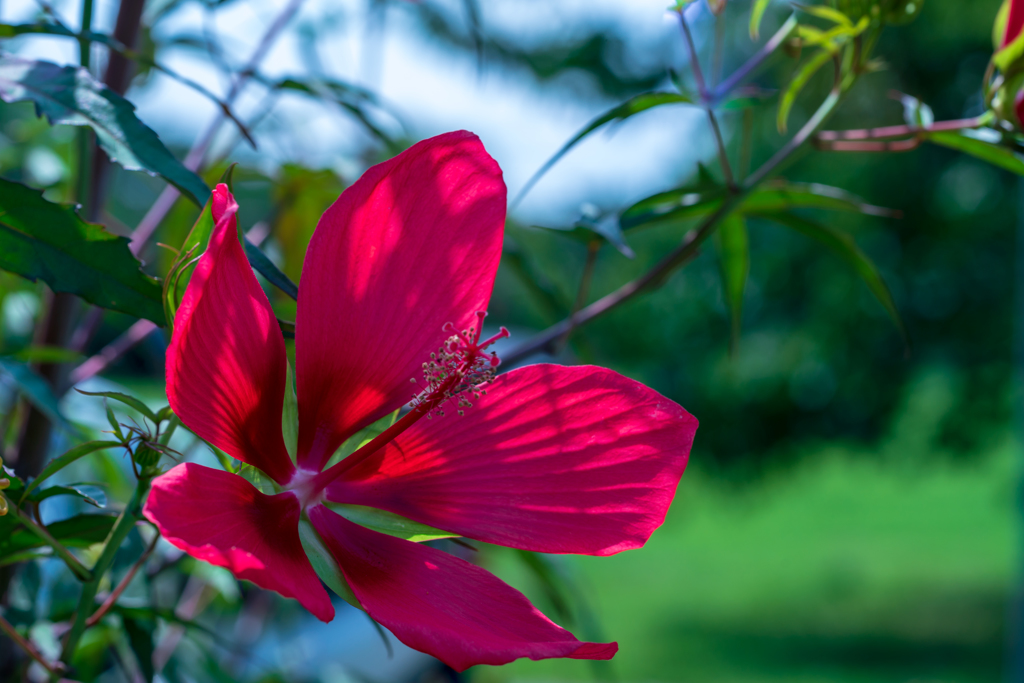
(389, 523)
(324, 563)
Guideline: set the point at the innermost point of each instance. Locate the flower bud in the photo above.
(146, 456)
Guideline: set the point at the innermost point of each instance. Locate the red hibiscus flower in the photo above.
(544, 458)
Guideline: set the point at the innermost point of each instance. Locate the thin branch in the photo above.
(755, 61)
(581, 294)
(686, 251)
(149, 223)
(76, 567)
(112, 351)
(698, 75)
(116, 593)
(870, 146)
(899, 131)
(55, 668)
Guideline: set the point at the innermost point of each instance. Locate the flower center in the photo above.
(459, 368)
(303, 484)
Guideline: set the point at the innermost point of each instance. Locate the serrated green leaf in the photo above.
(41, 240)
(80, 531)
(130, 401)
(796, 85)
(757, 11)
(35, 389)
(71, 96)
(734, 257)
(781, 195)
(634, 105)
(972, 142)
(389, 523)
(845, 246)
(324, 564)
(62, 461)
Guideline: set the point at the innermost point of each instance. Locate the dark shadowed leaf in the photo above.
(844, 245)
(34, 388)
(41, 240)
(634, 105)
(80, 531)
(90, 493)
(684, 203)
(70, 95)
(140, 638)
(265, 267)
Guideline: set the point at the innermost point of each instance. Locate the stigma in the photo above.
(459, 370)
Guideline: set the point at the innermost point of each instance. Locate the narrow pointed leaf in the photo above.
(265, 267)
(734, 255)
(62, 461)
(844, 245)
(389, 523)
(324, 564)
(71, 96)
(796, 85)
(130, 401)
(634, 105)
(41, 240)
(756, 15)
(781, 195)
(91, 494)
(973, 143)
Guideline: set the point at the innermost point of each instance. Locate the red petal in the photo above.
(442, 605)
(226, 362)
(551, 459)
(412, 245)
(1014, 22)
(221, 518)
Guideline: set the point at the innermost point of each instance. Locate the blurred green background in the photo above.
(850, 510)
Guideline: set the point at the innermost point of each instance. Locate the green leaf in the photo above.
(43, 240)
(1008, 59)
(756, 15)
(35, 389)
(781, 195)
(71, 96)
(265, 267)
(351, 98)
(973, 143)
(80, 531)
(62, 461)
(91, 494)
(684, 203)
(290, 415)
(46, 354)
(734, 257)
(389, 523)
(600, 228)
(130, 401)
(634, 105)
(361, 438)
(826, 13)
(140, 638)
(800, 79)
(844, 245)
(324, 564)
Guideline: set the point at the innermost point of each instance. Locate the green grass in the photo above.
(850, 567)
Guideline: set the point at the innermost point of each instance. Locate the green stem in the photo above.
(87, 601)
(84, 134)
(39, 530)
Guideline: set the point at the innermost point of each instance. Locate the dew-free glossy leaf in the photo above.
(781, 195)
(130, 401)
(71, 96)
(91, 494)
(41, 240)
(324, 563)
(757, 11)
